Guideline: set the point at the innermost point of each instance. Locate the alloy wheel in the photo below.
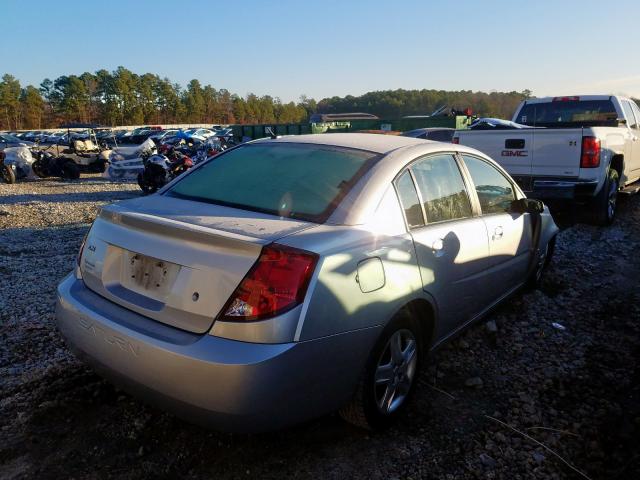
(395, 371)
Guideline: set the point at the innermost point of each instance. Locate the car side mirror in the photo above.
(527, 205)
(621, 121)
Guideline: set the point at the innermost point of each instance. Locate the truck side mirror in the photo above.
(527, 205)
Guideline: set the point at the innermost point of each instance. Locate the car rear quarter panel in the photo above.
(338, 299)
(337, 303)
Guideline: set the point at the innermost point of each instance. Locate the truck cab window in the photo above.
(628, 113)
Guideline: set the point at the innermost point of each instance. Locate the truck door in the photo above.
(632, 153)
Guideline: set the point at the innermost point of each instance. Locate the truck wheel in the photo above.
(389, 378)
(605, 203)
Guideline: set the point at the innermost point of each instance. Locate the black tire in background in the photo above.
(604, 205)
(8, 175)
(69, 170)
(364, 409)
(145, 186)
(99, 166)
(39, 169)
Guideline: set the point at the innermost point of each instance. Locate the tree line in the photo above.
(122, 97)
(398, 103)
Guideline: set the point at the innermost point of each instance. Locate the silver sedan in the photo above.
(288, 278)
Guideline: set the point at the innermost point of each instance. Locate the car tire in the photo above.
(99, 166)
(390, 376)
(605, 203)
(8, 175)
(541, 263)
(145, 186)
(69, 171)
(39, 169)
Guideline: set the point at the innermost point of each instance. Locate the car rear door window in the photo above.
(494, 190)
(442, 188)
(409, 200)
(295, 180)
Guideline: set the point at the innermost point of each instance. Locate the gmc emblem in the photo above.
(514, 153)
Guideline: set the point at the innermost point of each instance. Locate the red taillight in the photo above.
(590, 157)
(455, 140)
(277, 282)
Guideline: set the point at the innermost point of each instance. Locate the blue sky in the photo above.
(323, 48)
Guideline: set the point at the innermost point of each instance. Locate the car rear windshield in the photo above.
(302, 181)
(568, 113)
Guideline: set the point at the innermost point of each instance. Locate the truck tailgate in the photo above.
(556, 152)
(512, 149)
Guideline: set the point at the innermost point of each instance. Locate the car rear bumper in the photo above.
(557, 188)
(222, 383)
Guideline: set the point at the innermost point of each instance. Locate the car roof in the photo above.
(363, 141)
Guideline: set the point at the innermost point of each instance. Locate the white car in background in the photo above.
(200, 133)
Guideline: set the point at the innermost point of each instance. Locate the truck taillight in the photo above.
(455, 140)
(590, 157)
(276, 283)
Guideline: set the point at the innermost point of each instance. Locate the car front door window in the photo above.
(495, 191)
(509, 233)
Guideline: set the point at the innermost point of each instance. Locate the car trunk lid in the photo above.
(176, 261)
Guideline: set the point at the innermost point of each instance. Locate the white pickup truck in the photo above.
(584, 148)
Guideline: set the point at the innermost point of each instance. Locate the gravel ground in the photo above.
(512, 398)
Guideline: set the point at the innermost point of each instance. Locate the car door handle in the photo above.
(497, 233)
